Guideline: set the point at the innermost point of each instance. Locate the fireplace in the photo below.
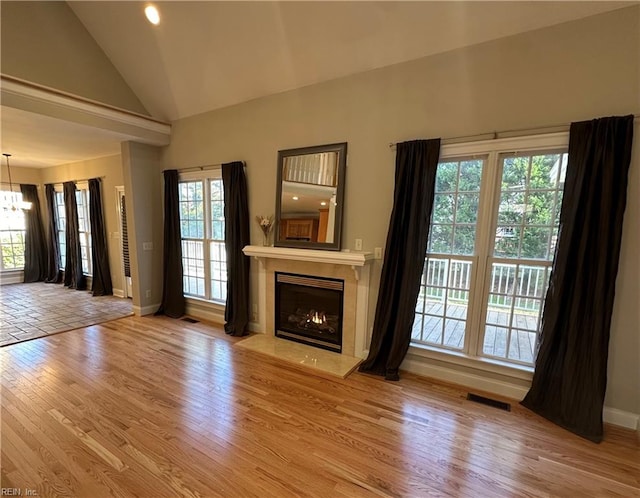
(309, 310)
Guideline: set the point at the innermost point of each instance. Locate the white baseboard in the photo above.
(145, 310)
(505, 388)
(466, 379)
(118, 292)
(621, 418)
(11, 277)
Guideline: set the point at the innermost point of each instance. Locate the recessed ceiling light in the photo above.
(152, 14)
(323, 203)
(295, 197)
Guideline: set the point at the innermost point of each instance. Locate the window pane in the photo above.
(217, 210)
(443, 206)
(528, 213)
(447, 177)
(218, 271)
(514, 309)
(440, 240)
(441, 309)
(464, 240)
(470, 175)
(193, 267)
(467, 208)
(12, 230)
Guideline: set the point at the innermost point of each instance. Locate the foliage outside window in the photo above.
(12, 231)
(491, 245)
(202, 229)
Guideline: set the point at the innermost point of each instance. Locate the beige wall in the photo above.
(45, 43)
(110, 170)
(575, 71)
(143, 191)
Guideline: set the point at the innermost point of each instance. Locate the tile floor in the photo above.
(28, 311)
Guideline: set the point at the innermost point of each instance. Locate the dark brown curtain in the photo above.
(101, 281)
(406, 248)
(35, 247)
(236, 235)
(54, 274)
(173, 303)
(73, 276)
(570, 377)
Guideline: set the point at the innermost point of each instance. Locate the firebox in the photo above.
(309, 310)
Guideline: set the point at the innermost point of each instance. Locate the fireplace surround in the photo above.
(353, 268)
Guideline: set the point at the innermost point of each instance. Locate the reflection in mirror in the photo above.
(310, 196)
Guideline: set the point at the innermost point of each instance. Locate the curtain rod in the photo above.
(206, 167)
(76, 181)
(494, 135)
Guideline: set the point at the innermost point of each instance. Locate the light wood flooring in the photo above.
(155, 407)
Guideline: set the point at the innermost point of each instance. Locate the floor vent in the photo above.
(190, 320)
(488, 401)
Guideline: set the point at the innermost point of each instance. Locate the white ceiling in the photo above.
(206, 55)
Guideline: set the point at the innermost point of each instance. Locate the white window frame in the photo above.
(471, 354)
(16, 196)
(82, 188)
(205, 177)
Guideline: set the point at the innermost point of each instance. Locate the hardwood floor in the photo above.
(154, 407)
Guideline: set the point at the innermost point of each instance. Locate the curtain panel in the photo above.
(35, 247)
(54, 274)
(570, 376)
(405, 251)
(73, 276)
(101, 282)
(236, 215)
(173, 302)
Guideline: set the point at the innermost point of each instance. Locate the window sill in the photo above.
(493, 366)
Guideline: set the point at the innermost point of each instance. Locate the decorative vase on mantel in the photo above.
(266, 225)
(266, 237)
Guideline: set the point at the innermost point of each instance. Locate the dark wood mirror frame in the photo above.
(315, 178)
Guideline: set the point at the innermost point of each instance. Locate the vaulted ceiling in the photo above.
(207, 55)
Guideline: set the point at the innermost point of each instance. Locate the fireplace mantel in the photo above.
(317, 263)
(355, 260)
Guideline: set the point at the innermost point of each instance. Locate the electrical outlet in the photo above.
(377, 252)
(358, 244)
(254, 315)
(147, 246)
(148, 293)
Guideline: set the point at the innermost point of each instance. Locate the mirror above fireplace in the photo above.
(310, 196)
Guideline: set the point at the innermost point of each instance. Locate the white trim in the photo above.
(458, 359)
(621, 418)
(145, 310)
(11, 277)
(354, 259)
(211, 173)
(118, 293)
(521, 144)
(204, 310)
(500, 386)
(470, 380)
(40, 99)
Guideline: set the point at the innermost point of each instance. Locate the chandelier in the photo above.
(11, 203)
